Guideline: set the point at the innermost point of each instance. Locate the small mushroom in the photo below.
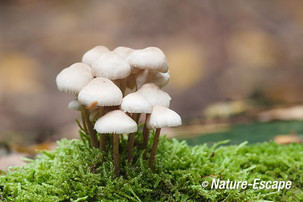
(123, 51)
(155, 96)
(115, 122)
(72, 79)
(158, 78)
(112, 66)
(134, 103)
(74, 105)
(161, 117)
(105, 93)
(90, 56)
(151, 58)
(101, 90)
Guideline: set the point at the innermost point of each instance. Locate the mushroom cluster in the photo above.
(112, 89)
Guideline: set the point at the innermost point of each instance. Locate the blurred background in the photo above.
(231, 63)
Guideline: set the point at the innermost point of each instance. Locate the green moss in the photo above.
(73, 173)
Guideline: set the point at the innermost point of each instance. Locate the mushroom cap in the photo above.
(111, 65)
(100, 90)
(123, 51)
(90, 56)
(116, 122)
(158, 78)
(155, 95)
(163, 117)
(136, 103)
(72, 79)
(151, 58)
(74, 105)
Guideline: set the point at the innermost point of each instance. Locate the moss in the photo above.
(73, 173)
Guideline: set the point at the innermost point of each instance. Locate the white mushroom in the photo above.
(101, 90)
(155, 95)
(74, 78)
(161, 117)
(74, 105)
(123, 51)
(134, 103)
(115, 122)
(90, 56)
(158, 78)
(112, 66)
(151, 58)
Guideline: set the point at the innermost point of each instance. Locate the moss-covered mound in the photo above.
(73, 173)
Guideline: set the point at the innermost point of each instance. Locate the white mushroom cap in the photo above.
(136, 103)
(123, 51)
(74, 105)
(100, 90)
(163, 117)
(111, 65)
(74, 78)
(90, 56)
(116, 122)
(158, 78)
(151, 58)
(155, 95)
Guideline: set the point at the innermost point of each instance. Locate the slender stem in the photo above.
(83, 120)
(131, 141)
(145, 133)
(116, 153)
(92, 132)
(102, 146)
(138, 118)
(123, 86)
(154, 148)
(134, 116)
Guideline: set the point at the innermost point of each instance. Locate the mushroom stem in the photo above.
(154, 148)
(102, 146)
(92, 132)
(138, 118)
(83, 121)
(123, 86)
(131, 141)
(145, 133)
(116, 153)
